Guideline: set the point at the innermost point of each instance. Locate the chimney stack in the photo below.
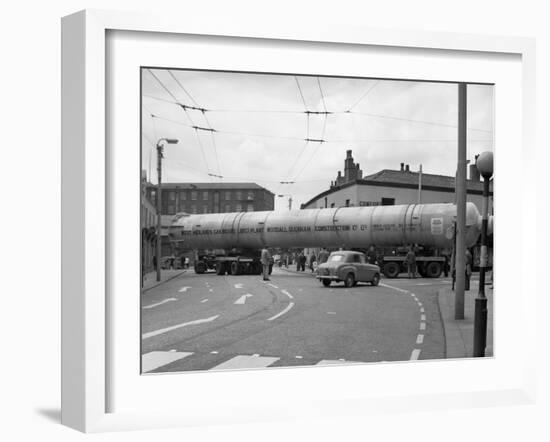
(407, 168)
(402, 167)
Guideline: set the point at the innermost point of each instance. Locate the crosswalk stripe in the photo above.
(156, 359)
(244, 361)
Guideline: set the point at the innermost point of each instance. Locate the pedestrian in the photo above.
(323, 256)
(154, 262)
(312, 262)
(469, 264)
(411, 263)
(266, 259)
(371, 255)
(302, 262)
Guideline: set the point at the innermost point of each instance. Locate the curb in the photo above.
(455, 347)
(162, 282)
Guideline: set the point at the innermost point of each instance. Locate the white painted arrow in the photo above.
(184, 289)
(238, 286)
(161, 302)
(174, 327)
(242, 299)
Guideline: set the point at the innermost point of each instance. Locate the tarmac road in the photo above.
(210, 322)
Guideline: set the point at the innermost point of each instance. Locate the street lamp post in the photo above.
(289, 200)
(484, 164)
(160, 149)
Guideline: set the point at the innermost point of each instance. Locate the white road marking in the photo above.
(422, 326)
(394, 288)
(336, 362)
(184, 289)
(173, 350)
(421, 309)
(214, 352)
(242, 299)
(204, 300)
(299, 357)
(238, 286)
(420, 339)
(289, 306)
(210, 290)
(272, 285)
(288, 294)
(175, 327)
(157, 359)
(256, 355)
(331, 313)
(161, 302)
(243, 361)
(415, 354)
(422, 317)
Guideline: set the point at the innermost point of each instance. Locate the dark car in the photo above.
(350, 267)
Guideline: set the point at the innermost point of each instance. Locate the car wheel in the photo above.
(350, 280)
(375, 279)
(326, 282)
(433, 270)
(234, 268)
(200, 267)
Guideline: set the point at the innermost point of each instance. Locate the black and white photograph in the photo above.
(307, 220)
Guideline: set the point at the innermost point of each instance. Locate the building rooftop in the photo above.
(211, 186)
(409, 177)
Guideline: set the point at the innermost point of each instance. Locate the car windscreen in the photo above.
(336, 258)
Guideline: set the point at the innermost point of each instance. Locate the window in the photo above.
(228, 195)
(193, 208)
(172, 195)
(194, 195)
(228, 207)
(238, 207)
(183, 195)
(205, 209)
(205, 196)
(171, 209)
(250, 208)
(250, 195)
(335, 258)
(347, 203)
(331, 205)
(388, 201)
(239, 195)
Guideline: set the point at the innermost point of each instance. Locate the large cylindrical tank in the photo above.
(347, 227)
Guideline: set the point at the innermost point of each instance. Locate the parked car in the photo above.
(350, 267)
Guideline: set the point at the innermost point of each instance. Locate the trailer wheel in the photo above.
(391, 269)
(433, 270)
(375, 279)
(234, 268)
(220, 268)
(326, 282)
(350, 280)
(200, 267)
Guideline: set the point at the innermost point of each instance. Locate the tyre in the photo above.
(234, 269)
(326, 282)
(220, 268)
(433, 270)
(350, 280)
(391, 269)
(375, 279)
(200, 267)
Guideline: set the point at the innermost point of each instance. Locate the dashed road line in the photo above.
(420, 339)
(204, 300)
(422, 326)
(243, 361)
(415, 354)
(287, 294)
(422, 317)
(272, 285)
(156, 359)
(184, 289)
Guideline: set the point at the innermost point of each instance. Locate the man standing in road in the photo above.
(411, 263)
(266, 259)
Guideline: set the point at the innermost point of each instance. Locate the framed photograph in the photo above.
(290, 223)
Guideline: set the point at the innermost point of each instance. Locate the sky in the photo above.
(261, 125)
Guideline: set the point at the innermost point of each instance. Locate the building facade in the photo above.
(195, 198)
(148, 224)
(390, 187)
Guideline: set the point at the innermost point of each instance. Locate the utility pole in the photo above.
(160, 151)
(460, 189)
(420, 185)
(159, 206)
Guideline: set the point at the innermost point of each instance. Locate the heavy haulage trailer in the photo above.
(234, 240)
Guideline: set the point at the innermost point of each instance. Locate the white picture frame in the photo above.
(86, 316)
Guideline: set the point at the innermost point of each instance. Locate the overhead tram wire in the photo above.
(203, 112)
(314, 151)
(368, 91)
(322, 95)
